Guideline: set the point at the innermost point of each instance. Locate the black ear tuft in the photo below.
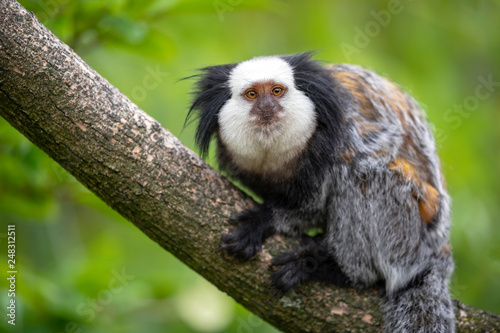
(212, 91)
(319, 85)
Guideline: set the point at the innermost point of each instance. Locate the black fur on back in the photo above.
(212, 91)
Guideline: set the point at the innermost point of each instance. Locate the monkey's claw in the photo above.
(241, 243)
(291, 272)
(253, 228)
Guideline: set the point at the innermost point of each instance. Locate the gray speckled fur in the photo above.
(378, 235)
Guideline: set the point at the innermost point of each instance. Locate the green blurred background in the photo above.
(71, 247)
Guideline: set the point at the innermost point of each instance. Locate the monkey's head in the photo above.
(265, 110)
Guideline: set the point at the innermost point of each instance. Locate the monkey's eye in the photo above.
(251, 94)
(277, 91)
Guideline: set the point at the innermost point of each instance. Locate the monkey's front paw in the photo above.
(242, 243)
(253, 228)
(292, 271)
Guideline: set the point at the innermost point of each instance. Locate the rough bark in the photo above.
(142, 171)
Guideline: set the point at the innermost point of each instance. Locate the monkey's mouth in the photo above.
(266, 121)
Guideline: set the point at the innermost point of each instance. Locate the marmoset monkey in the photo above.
(343, 149)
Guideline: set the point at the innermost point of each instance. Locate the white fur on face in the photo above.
(265, 149)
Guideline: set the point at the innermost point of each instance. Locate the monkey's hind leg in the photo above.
(422, 307)
(311, 261)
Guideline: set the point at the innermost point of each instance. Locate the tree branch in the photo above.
(142, 171)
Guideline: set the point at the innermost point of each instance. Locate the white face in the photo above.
(267, 122)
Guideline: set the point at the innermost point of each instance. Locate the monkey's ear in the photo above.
(212, 91)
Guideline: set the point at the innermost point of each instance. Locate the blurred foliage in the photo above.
(72, 247)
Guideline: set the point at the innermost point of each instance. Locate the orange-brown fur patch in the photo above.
(357, 87)
(429, 204)
(394, 98)
(367, 128)
(410, 151)
(406, 169)
(446, 250)
(399, 102)
(348, 154)
(428, 200)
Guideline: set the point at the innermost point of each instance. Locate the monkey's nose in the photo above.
(267, 110)
(267, 114)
